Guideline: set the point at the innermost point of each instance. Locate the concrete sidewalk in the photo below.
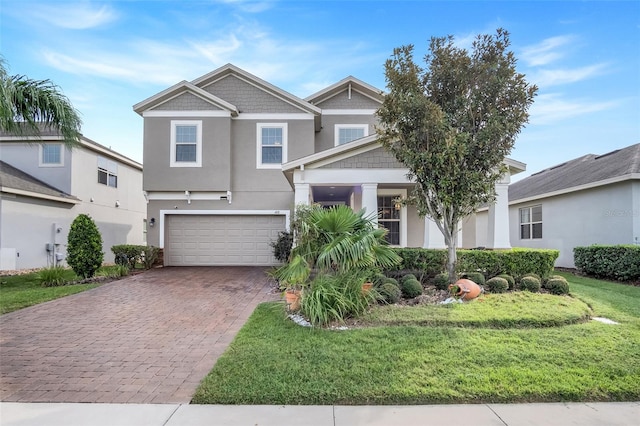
(561, 414)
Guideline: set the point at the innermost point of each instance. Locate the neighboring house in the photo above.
(228, 156)
(594, 199)
(44, 187)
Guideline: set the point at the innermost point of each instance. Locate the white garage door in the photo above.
(221, 240)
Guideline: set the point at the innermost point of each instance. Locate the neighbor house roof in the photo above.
(15, 181)
(581, 173)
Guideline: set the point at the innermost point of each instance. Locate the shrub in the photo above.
(282, 246)
(84, 246)
(411, 288)
(335, 298)
(131, 255)
(408, 277)
(429, 261)
(510, 280)
(476, 277)
(530, 283)
(390, 293)
(379, 279)
(557, 285)
(389, 280)
(149, 256)
(114, 271)
(51, 277)
(620, 262)
(536, 276)
(441, 281)
(497, 285)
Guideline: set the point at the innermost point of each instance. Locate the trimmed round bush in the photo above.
(409, 277)
(557, 285)
(496, 285)
(389, 280)
(536, 276)
(441, 281)
(510, 280)
(476, 277)
(390, 292)
(84, 246)
(529, 283)
(379, 279)
(411, 288)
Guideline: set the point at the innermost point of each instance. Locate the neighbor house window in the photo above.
(51, 155)
(531, 222)
(271, 145)
(186, 143)
(107, 172)
(389, 217)
(349, 132)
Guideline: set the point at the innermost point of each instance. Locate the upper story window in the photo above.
(350, 132)
(531, 222)
(107, 172)
(51, 155)
(271, 145)
(186, 143)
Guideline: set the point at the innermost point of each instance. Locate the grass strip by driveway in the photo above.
(21, 291)
(273, 361)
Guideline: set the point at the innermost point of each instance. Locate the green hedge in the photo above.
(515, 262)
(621, 262)
(132, 255)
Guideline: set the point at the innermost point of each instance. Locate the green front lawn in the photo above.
(441, 354)
(21, 291)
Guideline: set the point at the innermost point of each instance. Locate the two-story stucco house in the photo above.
(45, 186)
(228, 156)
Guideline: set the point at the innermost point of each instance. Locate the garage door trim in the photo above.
(164, 213)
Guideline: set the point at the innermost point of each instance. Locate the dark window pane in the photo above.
(102, 177)
(271, 155)
(525, 232)
(393, 236)
(186, 153)
(536, 214)
(113, 181)
(537, 230)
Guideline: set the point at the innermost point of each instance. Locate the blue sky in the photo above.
(109, 55)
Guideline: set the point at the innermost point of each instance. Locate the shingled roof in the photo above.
(14, 180)
(586, 170)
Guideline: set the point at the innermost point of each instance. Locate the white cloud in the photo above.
(547, 51)
(76, 16)
(554, 77)
(553, 108)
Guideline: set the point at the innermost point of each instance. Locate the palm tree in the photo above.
(28, 106)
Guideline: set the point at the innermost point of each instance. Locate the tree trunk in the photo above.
(451, 262)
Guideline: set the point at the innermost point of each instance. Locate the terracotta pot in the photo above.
(292, 298)
(467, 289)
(366, 287)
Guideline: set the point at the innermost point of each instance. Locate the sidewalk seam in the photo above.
(169, 418)
(496, 414)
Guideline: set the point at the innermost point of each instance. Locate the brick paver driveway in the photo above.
(148, 338)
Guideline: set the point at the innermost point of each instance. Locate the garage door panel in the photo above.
(222, 239)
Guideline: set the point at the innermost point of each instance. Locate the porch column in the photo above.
(302, 194)
(498, 224)
(433, 238)
(370, 200)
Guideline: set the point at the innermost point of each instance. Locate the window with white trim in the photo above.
(531, 222)
(107, 172)
(51, 155)
(271, 145)
(186, 143)
(345, 133)
(389, 217)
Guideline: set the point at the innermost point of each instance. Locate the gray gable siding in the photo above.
(248, 98)
(374, 159)
(342, 101)
(186, 102)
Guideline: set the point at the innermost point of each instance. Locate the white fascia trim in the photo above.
(38, 195)
(180, 195)
(514, 165)
(348, 111)
(630, 176)
(274, 116)
(164, 213)
(403, 211)
(351, 176)
(194, 113)
(332, 152)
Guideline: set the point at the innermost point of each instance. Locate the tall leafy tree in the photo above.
(452, 123)
(28, 106)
